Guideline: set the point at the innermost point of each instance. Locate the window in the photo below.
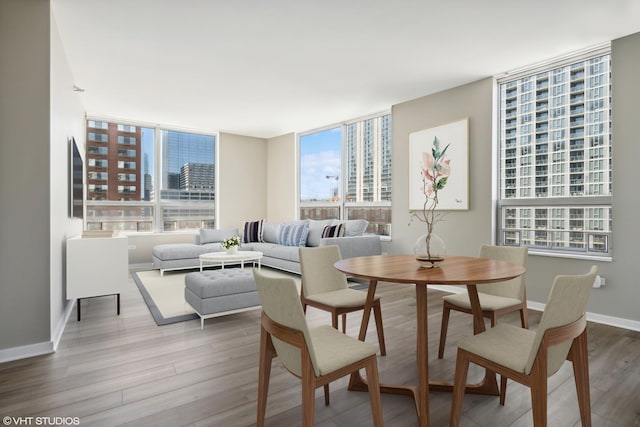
(127, 189)
(345, 173)
(571, 201)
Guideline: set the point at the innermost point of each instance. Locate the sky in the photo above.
(320, 155)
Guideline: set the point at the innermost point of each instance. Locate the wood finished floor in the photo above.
(125, 370)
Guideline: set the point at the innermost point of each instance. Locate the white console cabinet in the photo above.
(97, 266)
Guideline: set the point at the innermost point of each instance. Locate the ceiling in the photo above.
(266, 68)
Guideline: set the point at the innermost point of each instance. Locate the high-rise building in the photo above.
(368, 144)
(197, 176)
(113, 161)
(555, 148)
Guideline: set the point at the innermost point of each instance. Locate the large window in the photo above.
(555, 158)
(345, 173)
(129, 189)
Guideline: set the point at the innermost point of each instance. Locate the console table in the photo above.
(97, 266)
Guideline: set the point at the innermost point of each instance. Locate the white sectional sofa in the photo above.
(274, 240)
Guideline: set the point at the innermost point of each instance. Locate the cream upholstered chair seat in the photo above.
(326, 288)
(496, 299)
(504, 344)
(316, 355)
(334, 349)
(529, 357)
(341, 298)
(487, 301)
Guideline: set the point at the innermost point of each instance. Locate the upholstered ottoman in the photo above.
(214, 293)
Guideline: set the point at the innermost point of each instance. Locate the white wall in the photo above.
(67, 120)
(242, 189)
(282, 178)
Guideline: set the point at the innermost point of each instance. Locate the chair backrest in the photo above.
(514, 288)
(567, 302)
(281, 303)
(317, 270)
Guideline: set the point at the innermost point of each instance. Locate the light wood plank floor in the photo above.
(125, 370)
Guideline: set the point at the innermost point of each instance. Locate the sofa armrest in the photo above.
(354, 246)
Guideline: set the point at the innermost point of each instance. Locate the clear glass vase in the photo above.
(434, 255)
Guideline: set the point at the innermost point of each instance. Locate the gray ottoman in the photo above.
(214, 293)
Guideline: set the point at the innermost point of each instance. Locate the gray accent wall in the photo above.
(38, 112)
(24, 173)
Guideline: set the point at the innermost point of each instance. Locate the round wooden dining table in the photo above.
(454, 270)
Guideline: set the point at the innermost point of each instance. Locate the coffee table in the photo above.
(223, 258)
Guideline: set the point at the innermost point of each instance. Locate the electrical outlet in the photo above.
(132, 247)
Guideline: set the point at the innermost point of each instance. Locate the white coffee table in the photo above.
(223, 258)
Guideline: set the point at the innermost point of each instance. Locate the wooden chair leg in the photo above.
(377, 314)
(524, 318)
(344, 323)
(503, 389)
(443, 329)
(494, 319)
(579, 357)
(308, 394)
(267, 353)
(334, 319)
(371, 369)
(326, 395)
(460, 381)
(539, 399)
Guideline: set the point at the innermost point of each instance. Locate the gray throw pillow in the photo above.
(271, 231)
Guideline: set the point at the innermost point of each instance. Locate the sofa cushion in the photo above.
(216, 236)
(171, 251)
(316, 227)
(253, 231)
(294, 234)
(271, 232)
(276, 251)
(333, 231)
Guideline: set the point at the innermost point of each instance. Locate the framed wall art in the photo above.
(455, 135)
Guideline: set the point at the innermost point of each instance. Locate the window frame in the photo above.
(157, 205)
(566, 201)
(343, 205)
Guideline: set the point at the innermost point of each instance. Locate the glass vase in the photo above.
(430, 250)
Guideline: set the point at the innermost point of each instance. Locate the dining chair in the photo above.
(317, 355)
(495, 298)
(326, 288)
(530, 357)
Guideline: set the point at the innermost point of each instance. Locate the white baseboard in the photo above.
(617, 322)
(25, 351)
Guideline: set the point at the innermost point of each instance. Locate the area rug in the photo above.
(164, 296)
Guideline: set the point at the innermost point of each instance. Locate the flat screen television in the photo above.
(76, 182)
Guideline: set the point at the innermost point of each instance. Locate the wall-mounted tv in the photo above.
(76, 181)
